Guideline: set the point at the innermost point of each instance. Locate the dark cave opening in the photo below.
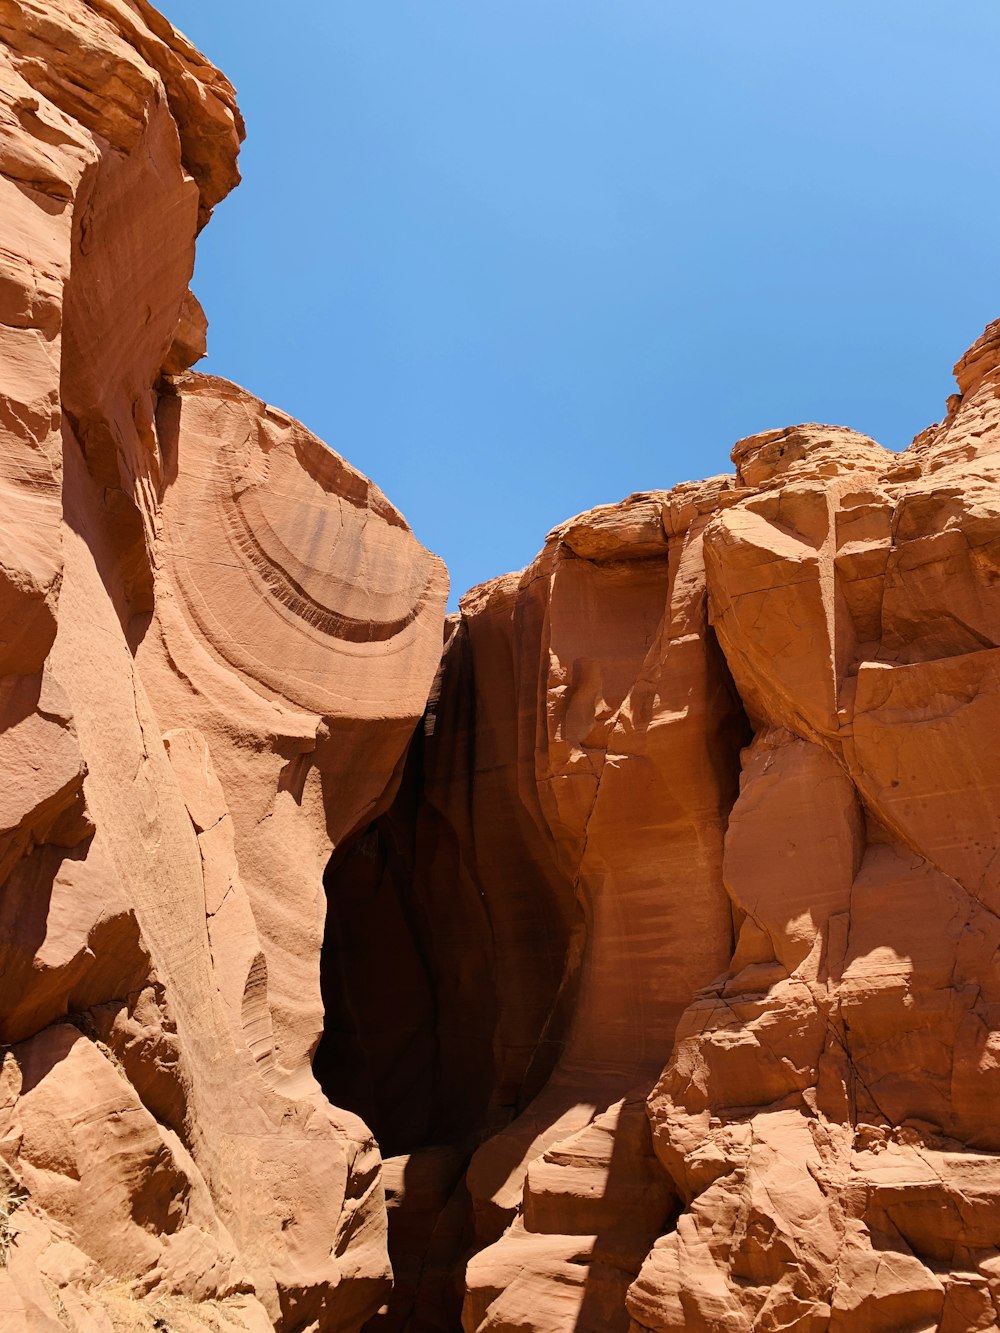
(407, 979)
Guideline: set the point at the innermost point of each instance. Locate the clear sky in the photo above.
(514, 258)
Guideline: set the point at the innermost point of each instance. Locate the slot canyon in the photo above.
(616, 955)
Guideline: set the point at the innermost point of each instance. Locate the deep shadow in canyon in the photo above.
(454, 949)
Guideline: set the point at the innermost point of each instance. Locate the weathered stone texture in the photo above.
(651, 931)
(215, 640)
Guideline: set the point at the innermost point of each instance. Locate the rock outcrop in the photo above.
(650, 933)
(828, 1113)
(709, 787)
(215, 640)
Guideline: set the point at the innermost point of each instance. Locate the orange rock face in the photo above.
(215, 641)
(707, 797)
(827, 1113)
(650, 933)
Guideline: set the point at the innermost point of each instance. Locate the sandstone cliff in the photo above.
(708, 794)
(215, 639)
(650, 933)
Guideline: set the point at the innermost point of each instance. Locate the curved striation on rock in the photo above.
(652, 928)
(200, 695)
(258, 512)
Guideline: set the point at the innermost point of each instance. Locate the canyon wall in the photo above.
(694, 868)
(649, 932)
(215, 640)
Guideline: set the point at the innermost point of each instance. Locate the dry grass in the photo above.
(164, 1314)
(11, 1199)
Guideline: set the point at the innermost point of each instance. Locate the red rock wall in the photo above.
(215, 641)
(658, 946)
(563, 889)
(829, 1111)
(718, 767)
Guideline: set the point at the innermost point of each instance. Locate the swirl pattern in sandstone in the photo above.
(216, 639)
(662, 960)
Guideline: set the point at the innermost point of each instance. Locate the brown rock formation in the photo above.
(828, 1111)
(216, 639)
(525, 861)
(713, 768)
(661, 961)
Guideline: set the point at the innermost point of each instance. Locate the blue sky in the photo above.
(514, 258)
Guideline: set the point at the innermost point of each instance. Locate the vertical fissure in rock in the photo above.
(599, 953)
(489, 942)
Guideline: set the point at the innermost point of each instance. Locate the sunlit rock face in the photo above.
(215, 641)
(649, 932)
(827, 1114)
(693, 870)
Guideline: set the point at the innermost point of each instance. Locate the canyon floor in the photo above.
(617, 955)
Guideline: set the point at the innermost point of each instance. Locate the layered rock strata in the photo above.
(215, 640)
(708, 786)
(651, 932)
(579, 756)
(828, 1114)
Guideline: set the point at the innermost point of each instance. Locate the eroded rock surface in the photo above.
(828, 1112)
(651, 932)
(709, 786)
(215, 641)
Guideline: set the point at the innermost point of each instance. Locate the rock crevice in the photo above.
(619, 954)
